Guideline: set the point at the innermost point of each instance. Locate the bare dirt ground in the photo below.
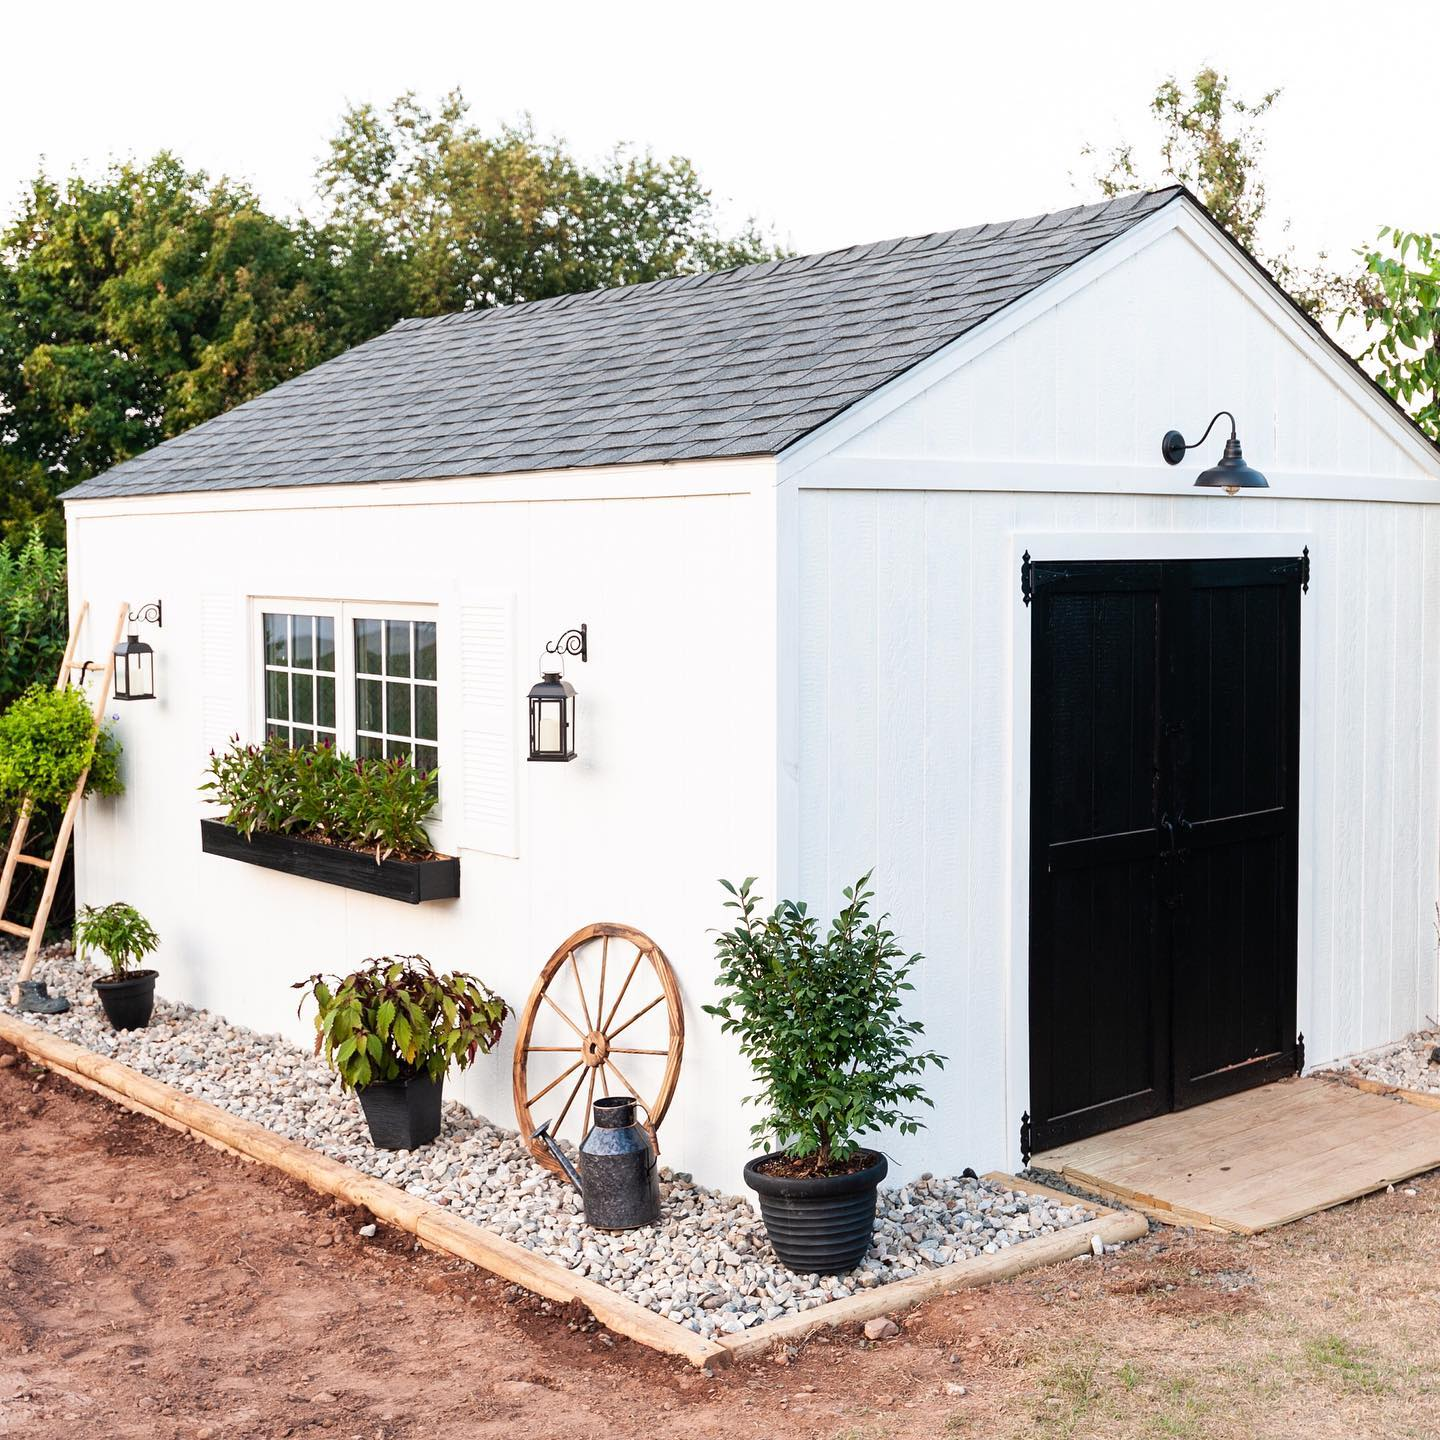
(151, 1287)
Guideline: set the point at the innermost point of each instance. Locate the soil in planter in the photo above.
(787, 1167)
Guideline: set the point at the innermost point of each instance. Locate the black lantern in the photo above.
(1231, 475)
(552, 718)
(135, 660)
(552, 701)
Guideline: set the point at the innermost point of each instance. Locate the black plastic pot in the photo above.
(129, 1001)
(821, 1226)
(403, 1114)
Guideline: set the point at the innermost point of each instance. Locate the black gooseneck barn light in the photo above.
(1231, 475)
(552, 700)
(135, 660)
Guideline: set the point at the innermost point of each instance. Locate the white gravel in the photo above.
(1406, 1065)
(707, 1265)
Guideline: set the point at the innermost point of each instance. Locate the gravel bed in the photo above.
(1407, 1064)
(707, 1265)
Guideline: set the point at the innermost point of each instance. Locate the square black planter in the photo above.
(403, 1114)
(409, 880)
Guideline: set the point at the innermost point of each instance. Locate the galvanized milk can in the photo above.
(619, 1178)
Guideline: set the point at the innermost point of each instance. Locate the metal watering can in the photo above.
(619, 1177)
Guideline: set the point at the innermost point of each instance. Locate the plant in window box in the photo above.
(391, 1029)
(124, 937)
(315, 811)
(821, 1021)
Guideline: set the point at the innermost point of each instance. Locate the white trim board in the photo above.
(668, 480)
(857, 472)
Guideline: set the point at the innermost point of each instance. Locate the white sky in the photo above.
(837, 123)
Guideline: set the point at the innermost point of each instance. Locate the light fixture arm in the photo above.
(572, 642)
(150, 614)
(1174, 446)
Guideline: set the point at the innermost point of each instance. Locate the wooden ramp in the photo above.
(1259, 1159)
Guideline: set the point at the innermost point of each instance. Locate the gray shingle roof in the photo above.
(742, 362)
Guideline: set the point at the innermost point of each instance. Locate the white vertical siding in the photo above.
(912, 648)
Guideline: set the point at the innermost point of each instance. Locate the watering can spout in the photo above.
(561, 1159)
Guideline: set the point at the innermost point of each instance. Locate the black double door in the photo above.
(1163, 822)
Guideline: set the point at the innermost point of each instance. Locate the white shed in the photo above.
(881, 567)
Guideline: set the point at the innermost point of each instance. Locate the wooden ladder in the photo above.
(34, 933)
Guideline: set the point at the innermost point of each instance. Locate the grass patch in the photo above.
(1337, 1360)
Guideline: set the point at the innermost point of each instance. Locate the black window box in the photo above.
(409, 880)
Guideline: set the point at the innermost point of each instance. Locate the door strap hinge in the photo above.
(1305, 570)
(1027, 578)
(1025, 1138)
(1300, 1054)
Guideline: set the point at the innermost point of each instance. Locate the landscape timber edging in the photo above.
(438, 1230)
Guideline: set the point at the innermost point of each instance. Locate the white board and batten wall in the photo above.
(908, 746)
(806, 668)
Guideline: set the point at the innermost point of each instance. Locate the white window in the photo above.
(299, 692)
(361, 676)
(395, 689)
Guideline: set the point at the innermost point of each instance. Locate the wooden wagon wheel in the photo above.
(596, 1000)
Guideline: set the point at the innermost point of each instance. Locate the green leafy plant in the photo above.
(46, 743)
(320, 793)
(395, 1018)
(33, 616)
(118, 931)
(821, 1021)
(1400, 293)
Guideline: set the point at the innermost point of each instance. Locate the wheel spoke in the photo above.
(611, 1034)
(623, 1050)
(629, 1088)
(540, 1095)
(604, 958)
(580, 990)
(545, 995)
(589, 1104)
(639, 956)
(553, 1049)
(580, 1080)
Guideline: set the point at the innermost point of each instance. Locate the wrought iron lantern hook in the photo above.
(572, 642)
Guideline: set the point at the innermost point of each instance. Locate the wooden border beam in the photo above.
(438, 1229)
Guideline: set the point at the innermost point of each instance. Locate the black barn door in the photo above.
(1164, 790)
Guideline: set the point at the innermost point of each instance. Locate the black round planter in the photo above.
(403, 1114)
(129, 1001)
(821, 1226)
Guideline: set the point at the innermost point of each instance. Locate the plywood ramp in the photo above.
(1259, 1159)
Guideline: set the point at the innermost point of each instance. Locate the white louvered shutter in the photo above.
(223, 656)
(489, 732)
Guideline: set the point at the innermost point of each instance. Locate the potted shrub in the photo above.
(391, 1029)
(123, 936)
(821, 1021)
(317, 812)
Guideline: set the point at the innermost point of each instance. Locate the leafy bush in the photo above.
(320, 793)
(821, 1024)
(45, 745)
(394, 1019)
(34, 620)
(118, 931)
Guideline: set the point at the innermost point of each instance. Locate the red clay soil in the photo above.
(151, 1287)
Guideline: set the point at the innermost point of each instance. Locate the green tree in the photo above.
(1212, 142)
(135, 306)
(34, 620)
(428, 214)
(1400, 296)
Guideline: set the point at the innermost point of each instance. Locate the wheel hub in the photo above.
(594, 1049)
